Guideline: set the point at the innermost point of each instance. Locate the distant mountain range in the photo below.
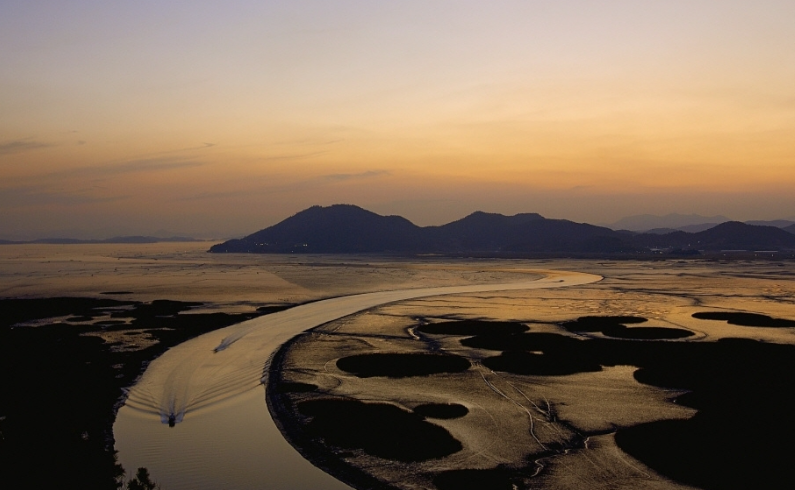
(691, 223)
(118, 239)
(673, 221)
(345, 228)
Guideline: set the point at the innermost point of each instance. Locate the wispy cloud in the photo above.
(217, 195)
(297, 156)
(18, 146)
(203, 146)
(37, 196)
(315, 182)
(146, 165)
(128, 167)
(86, 180)
(362, 175)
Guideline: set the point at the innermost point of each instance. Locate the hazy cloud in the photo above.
(361, 175)
(297, 156)
(18, 146)
(309, 142)
(203, 146)
(129, 167)
(32, 196)
(147, 165)
(217, 195)
(289, 187)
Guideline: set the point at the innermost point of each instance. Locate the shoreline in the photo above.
(698, 386)
(63, 356)
(282, 412)
(193, 370)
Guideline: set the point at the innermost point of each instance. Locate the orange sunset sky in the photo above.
(221, 118)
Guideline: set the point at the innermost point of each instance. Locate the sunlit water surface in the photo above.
(210, 387)
(223, 435)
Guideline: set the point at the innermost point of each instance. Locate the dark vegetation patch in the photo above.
(616, 326)
(543, 354)
(61, 389)
(473, 327)
(647, 333)
(378, 429)
(80, 319)
(743, 392)
(109, 323)
(470, 479)
(294, 387)
(530, 363)
(600, 323)
(397, 365)
(116, 293)
(745, 319)
(264, 310)
(157, 308)
(567, 347)
(441, 410)
(741, 388)
(14, 311)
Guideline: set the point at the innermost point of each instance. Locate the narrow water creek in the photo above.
(211, 390)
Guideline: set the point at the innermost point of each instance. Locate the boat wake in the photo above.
(194, 383)
(215, 367)
(215, 373)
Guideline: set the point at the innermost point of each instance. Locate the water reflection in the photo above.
(216, 387)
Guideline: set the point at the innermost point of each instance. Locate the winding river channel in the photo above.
(210, 389)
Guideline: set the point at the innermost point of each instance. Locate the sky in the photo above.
(218, 119)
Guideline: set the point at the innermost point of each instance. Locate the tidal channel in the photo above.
(197, 418)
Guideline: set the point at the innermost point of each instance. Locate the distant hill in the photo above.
(345, 228)
(790, 228)
(736, 235)
(660, 231)
(688, 229)
(697, 228)
(731, 235)
(778, 223)
(644, 222)
(483, 232)
(341, 228)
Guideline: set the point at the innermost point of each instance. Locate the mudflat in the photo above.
(663, 375)
(660, 376)
(80, 323)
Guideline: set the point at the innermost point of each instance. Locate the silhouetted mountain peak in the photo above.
(340, 228)
(480, 218)
(642, 222)
(729, 226)
(345, 228)
(738, 231)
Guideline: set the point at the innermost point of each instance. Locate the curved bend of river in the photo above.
(229, 441)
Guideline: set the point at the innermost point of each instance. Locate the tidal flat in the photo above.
(625, 383)
(80, 324)
(674, 374)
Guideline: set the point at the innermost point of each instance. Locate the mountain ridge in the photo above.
(644, 222)
(345, 228)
